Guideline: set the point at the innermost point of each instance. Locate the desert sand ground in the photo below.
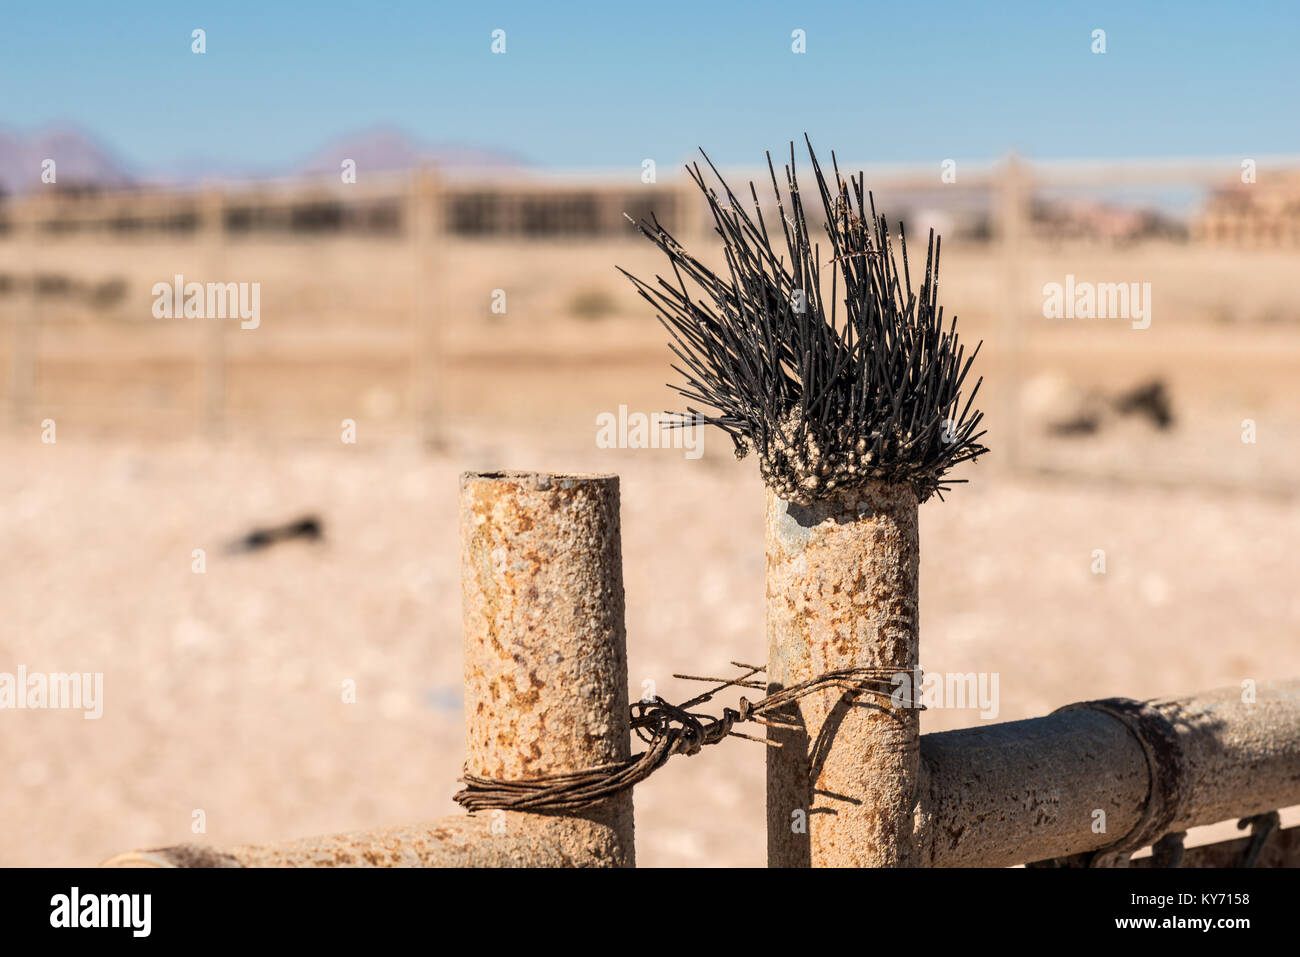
(222, 690)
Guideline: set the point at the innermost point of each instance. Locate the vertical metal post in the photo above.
(842, 580)
(545, 644)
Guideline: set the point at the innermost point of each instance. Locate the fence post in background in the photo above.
(25, 331)
(842, 593)
(545, 642)
(1012, 213)
(690, 225)
(425, 229)
(212, 375)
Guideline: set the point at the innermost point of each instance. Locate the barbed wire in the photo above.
(671, 729)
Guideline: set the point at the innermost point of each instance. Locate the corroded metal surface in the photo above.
(1020, 791)
(495, 839)
(841, 593)
(1031, 790)
(1168, 775)
(1244, 755)
(545, 645)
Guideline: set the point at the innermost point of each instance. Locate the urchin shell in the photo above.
(827, 402)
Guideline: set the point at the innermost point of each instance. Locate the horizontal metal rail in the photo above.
(1076, 781)
(991, 796)
(491, 839)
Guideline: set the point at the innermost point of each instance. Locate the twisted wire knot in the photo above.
(670, 729)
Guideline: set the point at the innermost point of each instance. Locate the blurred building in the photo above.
(1264, 213)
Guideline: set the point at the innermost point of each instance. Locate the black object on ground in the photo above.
(308, 527)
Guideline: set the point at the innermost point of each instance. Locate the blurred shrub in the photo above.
(592, 303)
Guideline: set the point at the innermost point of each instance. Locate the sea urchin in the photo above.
(832, 392)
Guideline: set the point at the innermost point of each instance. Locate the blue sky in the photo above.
(604, 84)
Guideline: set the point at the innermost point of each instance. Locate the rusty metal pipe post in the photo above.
(545, 641)
(842, 593)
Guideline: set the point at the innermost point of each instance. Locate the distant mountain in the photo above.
(82, 161)
(387, 149)
(79, 160)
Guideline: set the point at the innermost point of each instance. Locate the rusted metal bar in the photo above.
(1077, 780)
(497, 839)
(545, 686)
(842, 593)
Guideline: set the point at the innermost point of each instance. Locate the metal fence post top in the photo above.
(538, 481)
